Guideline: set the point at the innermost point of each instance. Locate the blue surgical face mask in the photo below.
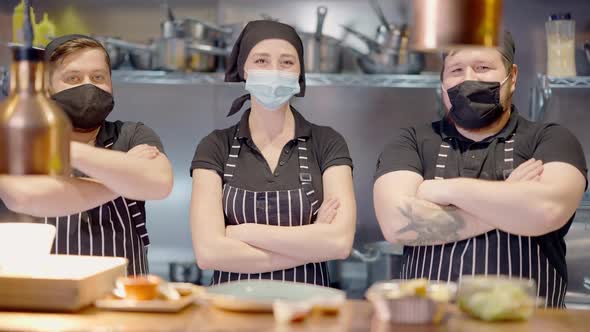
(272, 88)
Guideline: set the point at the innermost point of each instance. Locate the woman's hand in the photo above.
(327, 211)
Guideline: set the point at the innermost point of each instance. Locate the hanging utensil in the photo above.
(116, 54)
(317, 56)
(322, 11)
(372, 45)
(379, 12)
(168, 26)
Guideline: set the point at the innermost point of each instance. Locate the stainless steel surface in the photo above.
(438, 25)
(543, 89)
(388, 52)
(390, 37)
(171, 54)
(116, 54)
(198, 30)
(207, 48)
(202, 56)
(323, 54)
(389, 63)
(143, 60)
(141, 56)
(423, 81)
(190, 28)
(34, 132)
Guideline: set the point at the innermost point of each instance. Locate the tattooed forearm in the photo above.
(429, 223)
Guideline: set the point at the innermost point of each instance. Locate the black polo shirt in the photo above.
(416, 149)
(116, 228)
(327, 148)
(126, 135)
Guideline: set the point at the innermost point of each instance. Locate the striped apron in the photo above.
(287, 208)
(115, 229)
(492, 253)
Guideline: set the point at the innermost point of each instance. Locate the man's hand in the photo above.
(433, 191)
(144, 151)
(530, 170)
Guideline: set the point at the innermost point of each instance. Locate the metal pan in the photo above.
(323, 54)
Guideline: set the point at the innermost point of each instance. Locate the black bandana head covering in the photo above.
(57, 42)
(253, 33)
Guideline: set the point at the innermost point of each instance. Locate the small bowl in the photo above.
(142, 288)
(397, 302)
(497, 298)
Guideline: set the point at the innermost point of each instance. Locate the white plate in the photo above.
(259, 295)
(112, 303)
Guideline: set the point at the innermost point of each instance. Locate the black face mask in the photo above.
(475, 104)
(86, 105)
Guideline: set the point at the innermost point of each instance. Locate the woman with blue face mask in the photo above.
(272, 195)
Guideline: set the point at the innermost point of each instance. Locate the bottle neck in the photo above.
(27, 77)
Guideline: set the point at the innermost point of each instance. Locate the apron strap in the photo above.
(135, 210)
(445, 151)
(305, 177)
(232, 159)
(441, 160)
(508, 157)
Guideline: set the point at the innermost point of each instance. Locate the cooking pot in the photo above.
(323, 54)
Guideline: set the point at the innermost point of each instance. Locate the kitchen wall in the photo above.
(367, 117)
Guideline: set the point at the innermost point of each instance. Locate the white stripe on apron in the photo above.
(491, 244)
(278, 208)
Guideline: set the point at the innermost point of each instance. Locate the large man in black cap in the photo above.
(483, 191)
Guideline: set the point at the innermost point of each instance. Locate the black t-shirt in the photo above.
(416, 149)
(327, 148)
(130, 134)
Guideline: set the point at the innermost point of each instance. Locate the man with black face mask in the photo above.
(100, 209)
(483, 191)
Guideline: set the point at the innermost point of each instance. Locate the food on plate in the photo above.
(291, 312)
(328, 306)
(415, 301)
(140, 287)
(493, 299)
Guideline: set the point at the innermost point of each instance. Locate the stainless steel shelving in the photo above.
(431, 81)
(543, 90)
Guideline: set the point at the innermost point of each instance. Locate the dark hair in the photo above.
(73, 46)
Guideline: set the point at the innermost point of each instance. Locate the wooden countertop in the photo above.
(355, 317)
